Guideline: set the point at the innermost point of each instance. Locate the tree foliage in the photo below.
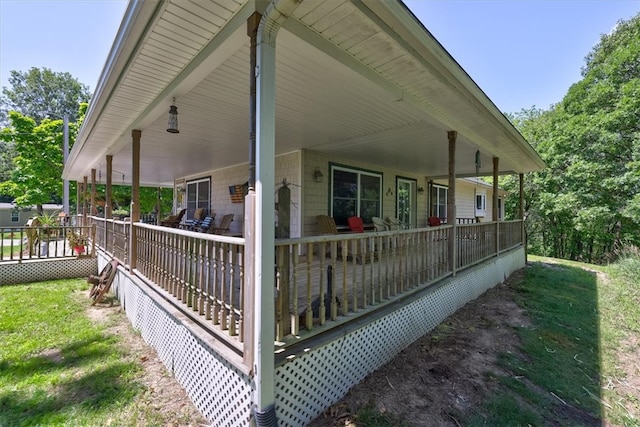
(37, 164)
(586, 203)
(43, 94)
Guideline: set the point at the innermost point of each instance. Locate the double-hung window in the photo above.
(439, 201)
(355, 192)
(198, 196)
(15, 215)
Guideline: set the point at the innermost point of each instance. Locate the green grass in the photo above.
(8, 249)
(570, 367)
(57, 367)
(572, 352)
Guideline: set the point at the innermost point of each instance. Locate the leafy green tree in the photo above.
(36, 177)
(42, 94)
(585, 204)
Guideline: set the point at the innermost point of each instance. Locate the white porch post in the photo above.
(263, 261)
(264, 235)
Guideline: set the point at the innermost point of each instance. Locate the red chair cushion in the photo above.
(434, 221)
(355, 224)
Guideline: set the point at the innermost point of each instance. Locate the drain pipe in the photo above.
(264, 411)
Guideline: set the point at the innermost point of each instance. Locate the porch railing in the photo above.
(323, 277)
(318, 279)
(113, 237)
(46, 242)
(204, 272)
(475, 243)
(510, 234)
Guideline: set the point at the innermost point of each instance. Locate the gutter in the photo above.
(263, 410)
(117, 61)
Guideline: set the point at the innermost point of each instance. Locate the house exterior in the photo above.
(281, 113)
(12, 216)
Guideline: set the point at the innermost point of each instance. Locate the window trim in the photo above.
(480, 208)
(195, 182)
(431, 205)
(358, 171)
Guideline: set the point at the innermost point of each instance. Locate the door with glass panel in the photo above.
(405, 202)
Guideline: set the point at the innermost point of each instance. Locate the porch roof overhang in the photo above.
(359, 80)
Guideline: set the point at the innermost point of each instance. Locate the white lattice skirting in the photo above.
(313, 381)
(309, 383)
(12, 273)
(220, 391)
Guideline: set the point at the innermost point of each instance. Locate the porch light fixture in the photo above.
(173, 118)
(317, 175)
(420, 190)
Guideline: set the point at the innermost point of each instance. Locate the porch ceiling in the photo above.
(361, 81)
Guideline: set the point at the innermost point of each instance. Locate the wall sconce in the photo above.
(173, 118)
(389, 192)
(317, 175)
(421, 190)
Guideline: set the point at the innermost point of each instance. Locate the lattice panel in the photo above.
(308, 384)
(37, 271)
(215, 386)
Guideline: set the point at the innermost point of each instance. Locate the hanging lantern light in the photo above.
(173, 118)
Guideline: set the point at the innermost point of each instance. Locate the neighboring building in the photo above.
(359, 111)
(12, 216)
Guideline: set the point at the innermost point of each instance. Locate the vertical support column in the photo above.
(250, 204)
(85, 186)
(108, 208)
(451, 202)
(494, 214)
(135, 196)
(94, 209)
(158, 205)
(78, 201)
(264, 220)
(521, 214)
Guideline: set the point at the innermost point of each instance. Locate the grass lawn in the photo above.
(558, 345)
(59, 367)
(584, 342)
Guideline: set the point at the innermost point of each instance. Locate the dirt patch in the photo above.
(447, 372)
(164, 399)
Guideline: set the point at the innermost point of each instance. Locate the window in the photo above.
(355, 193)
(439, 201)
(198, 196)
(481, 204)
(15, 216)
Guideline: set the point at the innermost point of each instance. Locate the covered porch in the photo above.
(269, 94)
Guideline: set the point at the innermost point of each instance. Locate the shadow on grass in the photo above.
(84, 378)
(555, 377)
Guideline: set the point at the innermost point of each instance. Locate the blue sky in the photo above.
(521, 53)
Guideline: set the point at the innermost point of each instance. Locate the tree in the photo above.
(42, 94)
(37, 174)
(585, 204)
